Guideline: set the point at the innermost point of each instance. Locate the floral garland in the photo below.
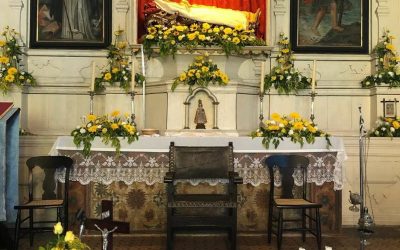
(10, 69)
(388, 71)
(69, 241)
(201, 72)
(169, 38)
(284, 77)
(119, 68)
(386, 127)
(299, 130)
(109, 130)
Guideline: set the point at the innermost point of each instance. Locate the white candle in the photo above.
(328, 248)
(93, 76)
(313, 77)
(132, 75)
(262, 78)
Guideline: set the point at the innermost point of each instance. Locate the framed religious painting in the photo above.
(329, 26)
(70, 24)
(390, 108)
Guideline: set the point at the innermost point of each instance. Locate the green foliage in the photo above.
(11, 72)
(299, 130)
(109, 130)
(169, 38)
(284, 77)
(201, 72)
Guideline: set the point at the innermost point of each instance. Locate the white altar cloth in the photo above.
(147, 159)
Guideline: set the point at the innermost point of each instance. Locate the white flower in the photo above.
(78, 127)
(125, 78)
(123, 72)
(82, 130)
(273, 122)
(23, 73)
(89, 125)
(281, 125)
(377, 132)
(383, 128)
(99, 126)
(290, 132)
(123, 123)
(289, 77)
(392, 129)
(367, 83)
(391, 73)
(316, 128)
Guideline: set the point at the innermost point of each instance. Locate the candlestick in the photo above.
(132, 75)
(133, 116)
(313, 76)
(313, 94)
(93, 77)
(261, 117)
(91, 94)
(262, 78)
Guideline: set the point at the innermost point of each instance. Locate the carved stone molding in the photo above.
(383, 8)
(15, 4)
(122, 6)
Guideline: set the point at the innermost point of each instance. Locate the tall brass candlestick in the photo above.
(133, 116)
(91, 94)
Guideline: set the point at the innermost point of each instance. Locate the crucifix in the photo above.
(107, 225)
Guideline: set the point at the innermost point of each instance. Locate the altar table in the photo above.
(134, 179)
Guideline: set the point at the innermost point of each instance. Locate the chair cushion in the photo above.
(41, 203)
(295, 203)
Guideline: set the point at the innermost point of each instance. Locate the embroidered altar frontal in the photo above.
(134, 180)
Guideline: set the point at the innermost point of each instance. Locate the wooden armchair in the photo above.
(202, 211)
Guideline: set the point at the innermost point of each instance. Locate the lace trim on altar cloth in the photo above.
(130, 167)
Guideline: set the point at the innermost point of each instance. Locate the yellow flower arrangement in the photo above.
(11, 72)
(388, 71)
(298, 129)
(201, 72)
(386, 127)
(284, 77)
(118, 69)
(69, 241)
(169, 38)
(108, 129)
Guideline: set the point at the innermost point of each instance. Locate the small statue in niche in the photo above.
(200, 118)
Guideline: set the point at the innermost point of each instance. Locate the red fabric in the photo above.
(245, 5)
(308, 1)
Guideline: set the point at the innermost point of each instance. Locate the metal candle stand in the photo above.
(91, 94)
(313, 94)
(261, 116)
(133, 116)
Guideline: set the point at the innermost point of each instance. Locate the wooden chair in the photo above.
(201, 211)
(290, 170)
(53, 196)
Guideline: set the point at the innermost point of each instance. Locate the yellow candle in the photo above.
(262, 78)
(93, 76)
(313, 77)
(132, 75)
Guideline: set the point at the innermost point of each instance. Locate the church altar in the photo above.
(147, 159)
(134, 179)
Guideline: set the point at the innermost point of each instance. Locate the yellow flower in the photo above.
(58, 229)
(284, 51)
(228, 31)
(115, 113)
(191, 36)
(311, 129)
(396, 125)
(273, 127)
(4, 60)
(122, 45)
(173, 42)
(9, 78)
(204, 69)
(298, 126)
(390, 47)
(275, 117)
(91, 117)
(294, 115)
(114, 126)
(12, 71)
(194, 27)
(182, 77)
(202, 37)
(93, 129)
(104, 130)
(191, 72)
(281, 60)
(115, 70)
(180, 37)
(69, 236)
(273, 78)
(150, 37)
(206, 26)
(243, 37)
(224, 78)
(2, 43)
(180, 28)
(107, 76)
(197, 74)
(216, 30)
(151, 30)
(236, 40)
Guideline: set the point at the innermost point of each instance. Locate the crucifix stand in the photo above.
(107, 223)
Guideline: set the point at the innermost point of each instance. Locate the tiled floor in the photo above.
(384, 238)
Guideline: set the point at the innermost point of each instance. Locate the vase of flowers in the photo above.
(201, 72)
(298, 129)
(386, 127)
(387, 70)
(67, 241)
(170, 38)
(119, 68)
(284, 77)
(109, 129)
(11, 71)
